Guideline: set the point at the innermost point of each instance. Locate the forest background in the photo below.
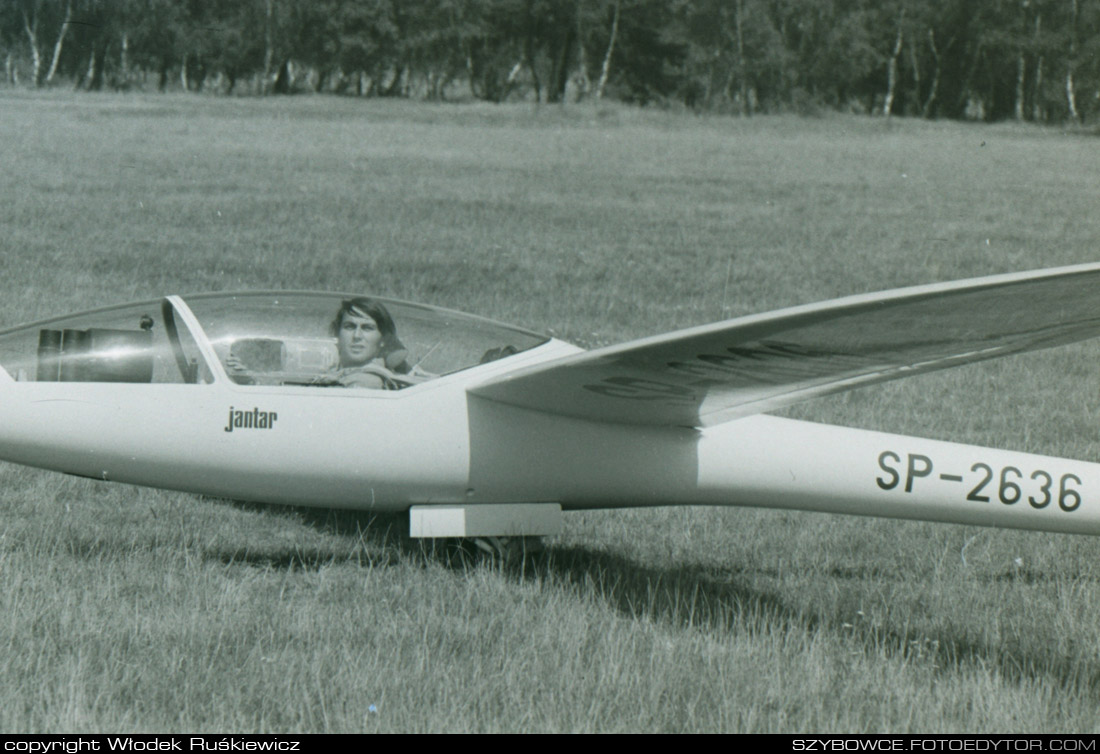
(1028, 60)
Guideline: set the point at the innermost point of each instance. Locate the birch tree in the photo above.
(65, 23)
(1071, 63)
(892, 66)
(30, 11)
(605, 68)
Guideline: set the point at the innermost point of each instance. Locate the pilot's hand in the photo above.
(237, 371)
(233, 365)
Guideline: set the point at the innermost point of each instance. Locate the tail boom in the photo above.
(772, 462)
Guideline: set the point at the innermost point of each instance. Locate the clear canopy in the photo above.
(259, 338)
(142, 342)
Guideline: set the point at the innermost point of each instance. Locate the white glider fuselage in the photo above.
(240, 396)
(335, 447)
(436, 444)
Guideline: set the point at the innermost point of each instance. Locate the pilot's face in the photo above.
(359, 340)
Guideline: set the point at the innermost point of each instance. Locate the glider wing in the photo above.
(714, 373)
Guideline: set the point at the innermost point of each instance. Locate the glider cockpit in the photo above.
(285, 339)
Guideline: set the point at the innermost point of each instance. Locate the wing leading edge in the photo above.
(714, 373)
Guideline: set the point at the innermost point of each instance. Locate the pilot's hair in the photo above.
(393, 352)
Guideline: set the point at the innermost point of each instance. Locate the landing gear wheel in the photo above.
(509, 548)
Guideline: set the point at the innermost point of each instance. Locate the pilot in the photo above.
(371, 355)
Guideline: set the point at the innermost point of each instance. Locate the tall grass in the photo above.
(127, 608)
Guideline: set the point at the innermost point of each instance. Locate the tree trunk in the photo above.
(937, 70)
(1037, 94)
(81, 75)
(584, 82)
(9, 69)
(560, 78)
(89, 74)
(269, 49)
(1037, 98)
(605, 69)
(398, 84)
(95, 72)
(124, 60)
(975, 106)
(199, 77)
(60, 41)
(529, 57)
(183, 73)
(892, 75)
(1071, 97)
(1021, 70)
(743, 98)
(915, 62)
(36, 54)
(1071, 92)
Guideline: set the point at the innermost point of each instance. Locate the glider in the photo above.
(479, 429)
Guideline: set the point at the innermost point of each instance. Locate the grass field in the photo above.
(133, 609)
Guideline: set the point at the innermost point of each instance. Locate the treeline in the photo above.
(983, 59)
